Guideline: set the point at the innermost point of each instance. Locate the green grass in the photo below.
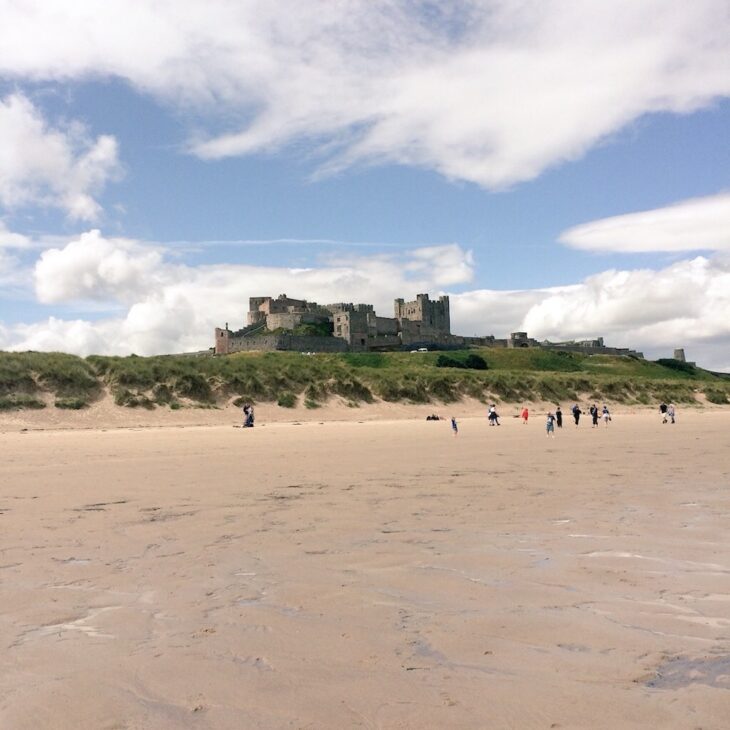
(72, 404)
(282, 377)
(287, 400)
(19, 401)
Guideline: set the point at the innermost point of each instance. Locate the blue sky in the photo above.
(565, 173)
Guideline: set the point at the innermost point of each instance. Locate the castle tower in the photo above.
(679, 354)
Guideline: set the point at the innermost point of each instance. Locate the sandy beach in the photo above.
(374, 574)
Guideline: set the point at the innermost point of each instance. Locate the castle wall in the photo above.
(382, 325)
(296, 343)
(593, 350)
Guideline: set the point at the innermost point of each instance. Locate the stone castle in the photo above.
(283, 323)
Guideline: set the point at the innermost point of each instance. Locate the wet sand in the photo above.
(377, 575)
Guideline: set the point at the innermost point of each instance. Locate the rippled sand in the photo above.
(381, 574)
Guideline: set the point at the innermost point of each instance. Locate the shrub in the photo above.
(315, 392)
(311, 404)
(716, 396)
(352, 389)
(444, 361)
(287, 400)
(475, 362)
(162, 394)
(320, 329)
(124, 397)
(672, 364)
(193, 386)
(443, 389)
(19, 401)
(74, 404)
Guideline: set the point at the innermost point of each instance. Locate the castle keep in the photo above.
(283, 323)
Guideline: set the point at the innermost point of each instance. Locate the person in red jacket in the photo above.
(525, 415)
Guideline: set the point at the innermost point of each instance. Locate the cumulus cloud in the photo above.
(96, 268)
(170, 307)
(479, 90)
(58, 167)
(698, 224)
(688, 301)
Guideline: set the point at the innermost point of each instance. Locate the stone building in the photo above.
(357, 326)
(273, 324)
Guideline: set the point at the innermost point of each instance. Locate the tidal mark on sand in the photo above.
(678, 672)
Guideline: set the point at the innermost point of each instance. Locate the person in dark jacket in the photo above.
(576, 414)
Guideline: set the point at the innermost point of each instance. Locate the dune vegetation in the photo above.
(39, 380)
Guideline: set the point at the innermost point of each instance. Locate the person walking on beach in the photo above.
(663, 410)
(558, 417)
(550, 425)
(493, 415)
(671, 411)
(593, 410)
(454, 426)
(576, 414)
(525, 415)
(606, 415)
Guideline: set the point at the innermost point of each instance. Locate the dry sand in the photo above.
(379, 575)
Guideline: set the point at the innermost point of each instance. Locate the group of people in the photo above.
(553, 419)
(248, 416)
(667, 412)
(556, 418)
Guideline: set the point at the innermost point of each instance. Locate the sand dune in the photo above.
(376, 574)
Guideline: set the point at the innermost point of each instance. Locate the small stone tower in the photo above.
(679, 354)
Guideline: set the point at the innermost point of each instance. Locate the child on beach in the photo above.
(525, 415)
(606, 415)
(559, 417)
(576, 414)
(454, 426)
(550, 425)
(663, 411)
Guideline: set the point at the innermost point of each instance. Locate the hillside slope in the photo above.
(39, 380)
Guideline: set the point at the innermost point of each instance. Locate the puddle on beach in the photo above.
(681, 672)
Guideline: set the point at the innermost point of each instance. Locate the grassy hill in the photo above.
(39, 380)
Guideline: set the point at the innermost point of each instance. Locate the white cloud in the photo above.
(59, 167)
(9, 239)
(96, 268)
(483, 90)
(698, 224)
(686, 302)
(173, 308)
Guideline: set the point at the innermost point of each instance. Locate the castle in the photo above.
(283, 323)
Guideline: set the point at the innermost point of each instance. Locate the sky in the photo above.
(560, 168)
